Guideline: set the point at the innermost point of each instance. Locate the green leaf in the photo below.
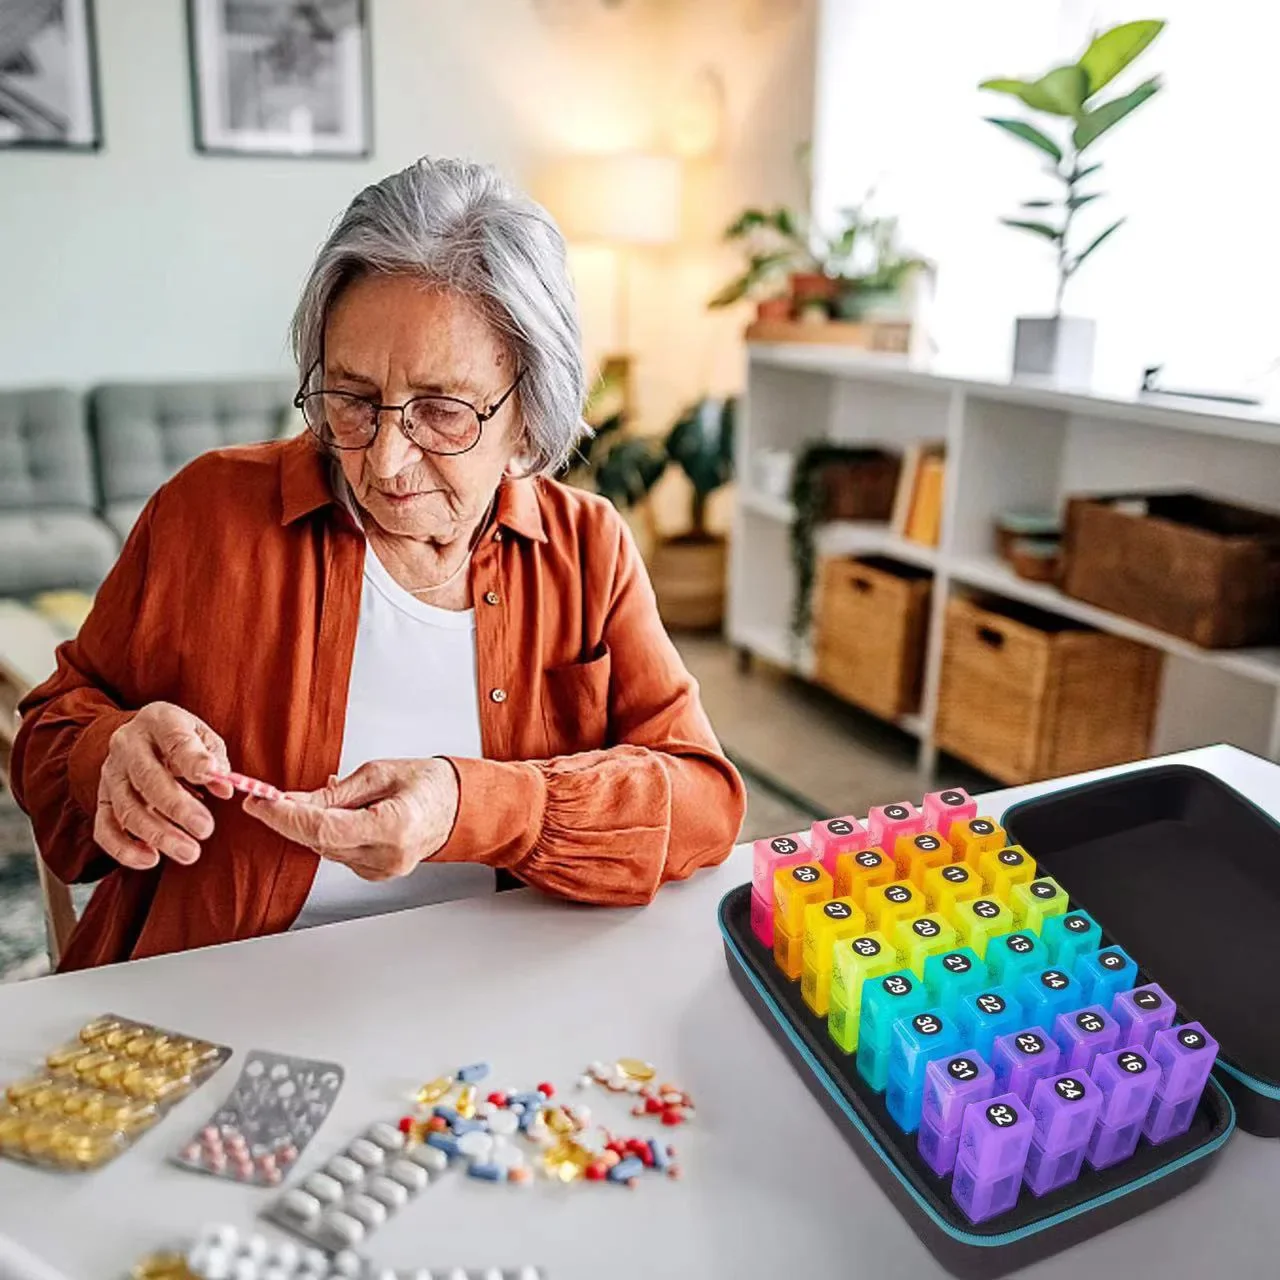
(1081, 174)
(1079, 202)
(1094, 243)
(1114, 50)
(1038, 228)
(784, 220)
(1028, 133)
(1015, 87)
(629, 470)
(747, 221)
(733, 292)
(1038, 204)
(1061, 92)
(1095, 123)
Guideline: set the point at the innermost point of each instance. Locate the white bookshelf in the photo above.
(1008, 445)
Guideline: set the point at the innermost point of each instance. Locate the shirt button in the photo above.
(498, 695)
(491, 597)
(497, 535)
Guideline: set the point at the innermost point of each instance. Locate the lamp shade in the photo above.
(619, 199)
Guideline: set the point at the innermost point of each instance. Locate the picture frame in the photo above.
(49, 97)
(282, 79)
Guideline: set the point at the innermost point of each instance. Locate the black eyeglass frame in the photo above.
(482, 415)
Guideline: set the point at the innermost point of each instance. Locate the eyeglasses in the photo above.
(436, 424)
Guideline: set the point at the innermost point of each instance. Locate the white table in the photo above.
(540, 989)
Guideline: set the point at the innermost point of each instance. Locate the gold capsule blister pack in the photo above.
(99, 1092)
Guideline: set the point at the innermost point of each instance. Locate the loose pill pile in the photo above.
(101, 1091)
(273, 1111)
(1003, 1035)
(503, 1135)
(220, 1252)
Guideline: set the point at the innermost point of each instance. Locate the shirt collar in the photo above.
(305, 487)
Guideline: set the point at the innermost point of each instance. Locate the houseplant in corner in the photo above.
(1060, 346)
(688, 569)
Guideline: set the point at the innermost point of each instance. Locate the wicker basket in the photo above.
(872, 615)
(861, 488)
(1027, 695)
(1204, 570)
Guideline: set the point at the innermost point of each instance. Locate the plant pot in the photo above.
(856, 302)
(811, 286)
(770, 309)
(1056, 348)
(688, 576)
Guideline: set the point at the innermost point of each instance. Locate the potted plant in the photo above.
(796, 269)
(687, 570)
(1061, 346)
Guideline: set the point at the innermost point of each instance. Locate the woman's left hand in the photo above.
(381, 821)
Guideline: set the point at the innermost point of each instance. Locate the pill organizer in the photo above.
(1042, 1072)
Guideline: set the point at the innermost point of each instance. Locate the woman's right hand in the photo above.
(144, 811)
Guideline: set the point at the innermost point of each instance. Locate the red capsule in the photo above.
(646, 1154)
(653, 1106)
(498, 1098)
(406, 1124)
(437, 1124)
(672, 1115)
(597, 1171)
(547, 1089)
(618, 1147)
(637, 1146)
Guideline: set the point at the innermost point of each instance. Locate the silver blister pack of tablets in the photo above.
(274, 1110)
(347, 1200)
(221, 1252)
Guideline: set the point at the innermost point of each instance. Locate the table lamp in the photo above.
(624, 202)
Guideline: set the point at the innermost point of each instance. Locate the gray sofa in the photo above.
(145, 432)
(50, 535)
(74, 476)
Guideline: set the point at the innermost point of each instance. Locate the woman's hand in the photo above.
(382, 821)
(143, 809)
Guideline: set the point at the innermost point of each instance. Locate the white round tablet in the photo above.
(476, 1145)
(504, 1123)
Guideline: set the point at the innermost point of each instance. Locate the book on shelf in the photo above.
(917, 506)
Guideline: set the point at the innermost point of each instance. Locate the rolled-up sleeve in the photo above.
(611, 826)
(67, 722)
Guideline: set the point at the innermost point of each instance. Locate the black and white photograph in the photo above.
(48, 75)
(281, 77)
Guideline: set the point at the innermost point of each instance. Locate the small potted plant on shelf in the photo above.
(1060, 346)
(872, 271)
(687, 569)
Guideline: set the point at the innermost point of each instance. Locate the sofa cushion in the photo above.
(49, 550)
(44, 451)
(145, 432)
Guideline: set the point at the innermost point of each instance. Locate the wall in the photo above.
(1190, 280)
(149, 261)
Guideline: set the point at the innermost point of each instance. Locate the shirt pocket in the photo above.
(575, 705)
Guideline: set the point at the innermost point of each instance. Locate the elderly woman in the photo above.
(453, 663)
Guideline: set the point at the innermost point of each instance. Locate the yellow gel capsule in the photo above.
(119, 1036)
(98, 1028)
(637, 1068)
(111, 1073)
(434, 1090)
(62, 1058)
(163, 1088)
(171, 1050)
(88, 1064)
(198, 1054)
(556, 1120)
(11, 1125)
(38, 1137)
(20, 1090)
(140, 1045)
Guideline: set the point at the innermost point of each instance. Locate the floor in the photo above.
(802, 753)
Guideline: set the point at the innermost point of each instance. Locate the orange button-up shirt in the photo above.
(237, 596)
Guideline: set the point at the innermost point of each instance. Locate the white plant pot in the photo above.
(1056, 348)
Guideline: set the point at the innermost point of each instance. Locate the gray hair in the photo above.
(463, 227)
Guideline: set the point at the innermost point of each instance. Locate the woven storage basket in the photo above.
(1027, 695)
(872, 615)
(1204, 570)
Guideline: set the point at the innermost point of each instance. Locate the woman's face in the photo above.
(391, 338)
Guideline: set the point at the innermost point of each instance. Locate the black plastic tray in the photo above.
(1184, 873)
(1035, 1228)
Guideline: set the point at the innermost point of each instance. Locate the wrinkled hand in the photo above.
(381, 821)
(144, 811)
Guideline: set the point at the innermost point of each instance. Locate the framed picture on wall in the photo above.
(48, 75)
(281, 77)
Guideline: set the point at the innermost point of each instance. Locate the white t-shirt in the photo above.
(412, 695)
